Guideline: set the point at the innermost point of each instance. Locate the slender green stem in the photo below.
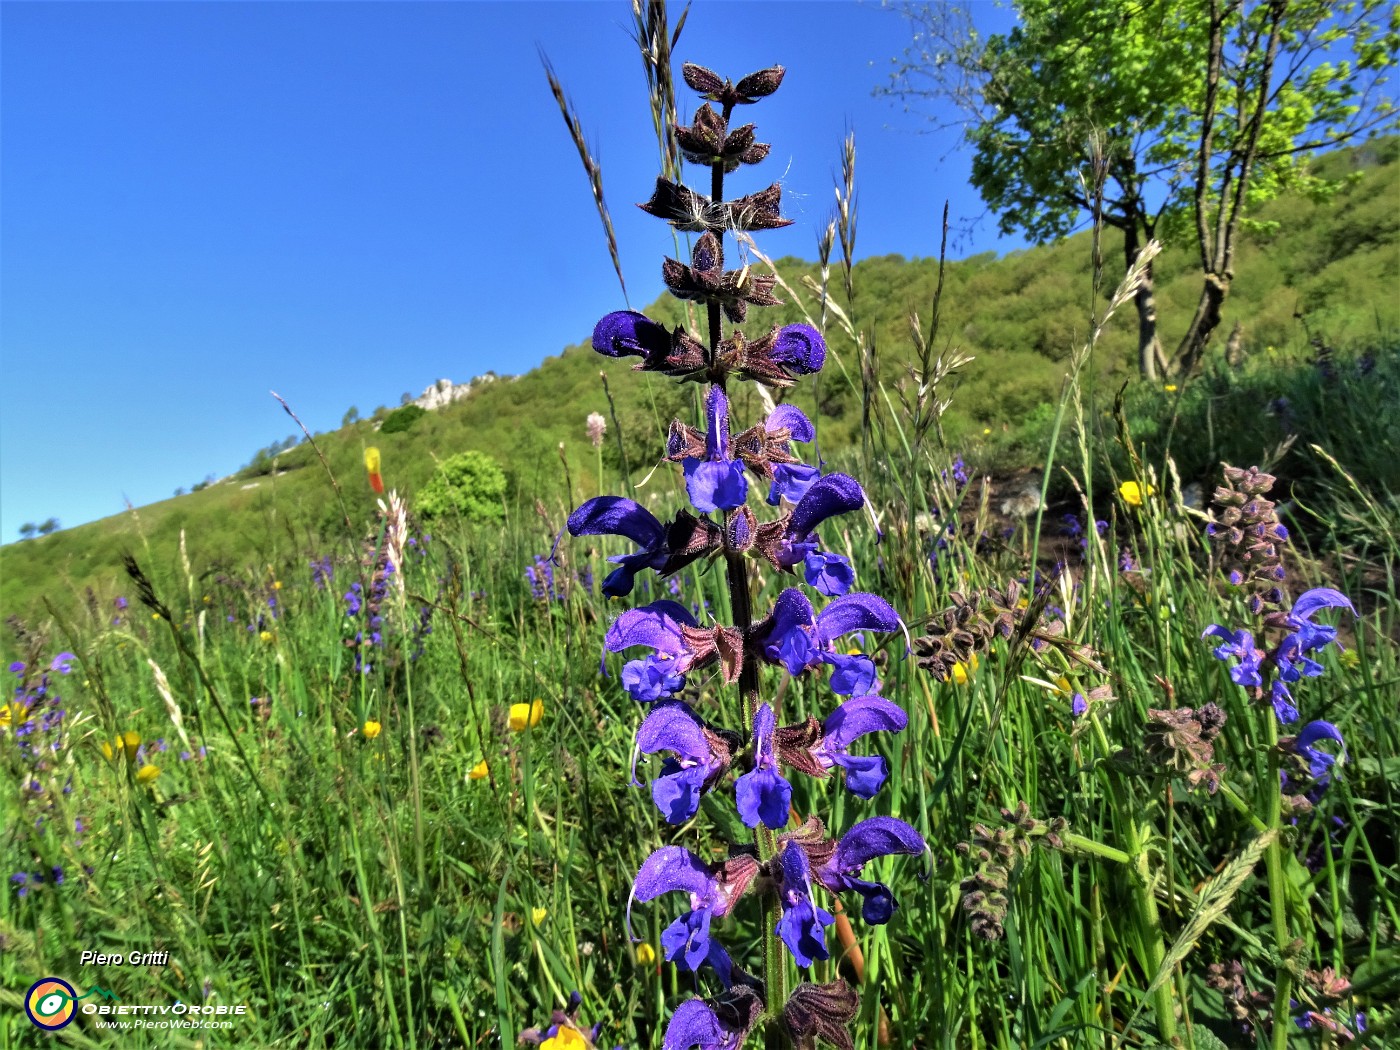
(1278, 899)
(1150, 925)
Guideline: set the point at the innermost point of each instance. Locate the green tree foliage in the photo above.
(28, 530)
(469, 484)
(401, 420)
(352, 415)
(1179, 114)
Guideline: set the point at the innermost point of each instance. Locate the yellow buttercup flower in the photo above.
(1170, 388)
(480, 771)
(646, 954)
(986, 431)
(276, 585)
(1132, 493)
(523, 716)
(537, 915)
(371, 729)
(146, 774)
(963, 671)
(565, 1039)
(128, 743)
(266, 636)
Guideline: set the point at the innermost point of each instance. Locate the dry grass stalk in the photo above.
(591, 168)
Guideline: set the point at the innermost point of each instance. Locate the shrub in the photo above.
(402, 419)
(470, 484)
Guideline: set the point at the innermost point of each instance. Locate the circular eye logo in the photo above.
(49, 1003)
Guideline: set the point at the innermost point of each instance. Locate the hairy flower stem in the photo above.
(1278, 901)
(741, 609)
(774, 963)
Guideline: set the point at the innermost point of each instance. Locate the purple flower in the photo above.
(789, 540)
(120, 602)
(651, 678)
(799, 639)
(722, 1026)
(664, 548)
(829, 574)
(799, 348)
(853, 719)
(712, 890)
(1078, 705)
(656, 626)
(618, 516)
(1282, 701)
(716, 482)
(1319, 762)
(702, 756)
(1237, 645)
(63, 663)
(800, 924)
(1307, 636)
(17, 667)
(791, 481)
(763, 793)
(876, 837)
(626, 333)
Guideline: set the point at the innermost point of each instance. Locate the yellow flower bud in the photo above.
(537, 915)
(646, 955)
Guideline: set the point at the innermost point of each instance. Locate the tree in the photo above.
(470, 484)
(50, 525)
(1157, 116)
(27, 530)
(352, 415)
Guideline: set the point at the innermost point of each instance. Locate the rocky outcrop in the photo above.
(444, 391)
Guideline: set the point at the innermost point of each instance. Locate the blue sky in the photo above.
(342, 202)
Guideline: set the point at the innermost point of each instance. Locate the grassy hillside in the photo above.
(1335, 263)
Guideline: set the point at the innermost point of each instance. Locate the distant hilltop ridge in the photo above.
(444, 391)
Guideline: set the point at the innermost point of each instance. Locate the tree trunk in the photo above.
(1205, 321)
(1149, 344)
